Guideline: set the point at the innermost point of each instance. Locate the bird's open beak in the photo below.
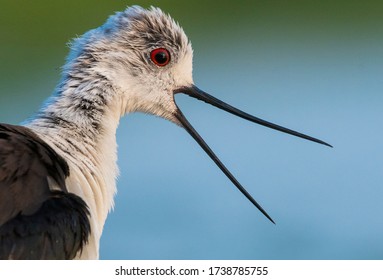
(195, 92)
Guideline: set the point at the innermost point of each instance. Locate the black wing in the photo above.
(36, 222)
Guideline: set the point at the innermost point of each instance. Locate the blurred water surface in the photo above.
(311, 66)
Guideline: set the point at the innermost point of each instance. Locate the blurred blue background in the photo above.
(313, 66)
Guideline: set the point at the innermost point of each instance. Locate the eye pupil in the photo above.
(160, 57)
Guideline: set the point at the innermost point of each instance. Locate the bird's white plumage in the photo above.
(107, 70)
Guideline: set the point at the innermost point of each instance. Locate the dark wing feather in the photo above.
(36, 222)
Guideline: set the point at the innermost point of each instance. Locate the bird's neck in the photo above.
(80, 122)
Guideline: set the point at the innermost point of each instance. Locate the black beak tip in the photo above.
(324, 143)
(271, 220)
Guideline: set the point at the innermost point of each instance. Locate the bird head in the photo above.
(144, 54)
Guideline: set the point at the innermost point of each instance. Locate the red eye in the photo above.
(160, 57)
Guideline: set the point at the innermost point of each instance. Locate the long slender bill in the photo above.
(189, 128)
(195, 92)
